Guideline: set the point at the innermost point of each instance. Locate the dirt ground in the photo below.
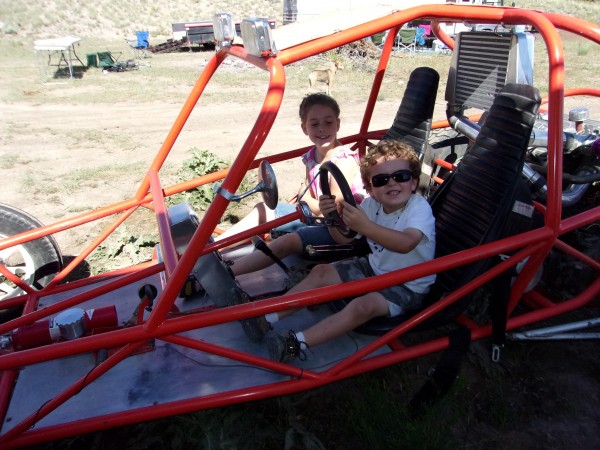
(52, 151)
(553, 390)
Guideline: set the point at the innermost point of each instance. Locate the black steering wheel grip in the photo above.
(330, 168)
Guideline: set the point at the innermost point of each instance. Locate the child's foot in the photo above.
(191, 287)
(256, 328)
(284, 348)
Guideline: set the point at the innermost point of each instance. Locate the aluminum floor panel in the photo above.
(168, 372)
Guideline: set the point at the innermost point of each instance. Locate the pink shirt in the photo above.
(342, 152)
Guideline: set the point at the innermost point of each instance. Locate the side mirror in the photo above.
(267, 185)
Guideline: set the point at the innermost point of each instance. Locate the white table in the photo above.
(60, 51)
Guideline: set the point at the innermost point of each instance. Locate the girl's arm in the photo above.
(349, 169)
(309, 197)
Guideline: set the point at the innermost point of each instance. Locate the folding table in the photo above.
(61, 54)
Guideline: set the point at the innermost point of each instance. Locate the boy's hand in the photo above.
(354, 217)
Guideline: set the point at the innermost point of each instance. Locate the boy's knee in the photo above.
(363, 307)
(323, 271)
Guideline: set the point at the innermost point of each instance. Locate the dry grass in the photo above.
(106, 24)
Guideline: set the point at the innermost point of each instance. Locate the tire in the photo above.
(37, 262)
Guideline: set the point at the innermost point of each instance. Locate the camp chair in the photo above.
(420, 37)
(379, 39)
(140, 45)
(405, 41)
(106, 61)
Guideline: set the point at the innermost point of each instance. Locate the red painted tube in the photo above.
(104, 317)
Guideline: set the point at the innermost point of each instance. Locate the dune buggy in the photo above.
(122, 347)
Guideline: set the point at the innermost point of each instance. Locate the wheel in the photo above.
(35, 262)
(330, 168)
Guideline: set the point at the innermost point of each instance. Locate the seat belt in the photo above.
(444, 373)
(499, 311)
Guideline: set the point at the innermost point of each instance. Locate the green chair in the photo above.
(107, 61)
(405, 41)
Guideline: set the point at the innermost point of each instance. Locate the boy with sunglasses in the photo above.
(400, 229)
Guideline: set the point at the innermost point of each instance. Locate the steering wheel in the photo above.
(330, 168)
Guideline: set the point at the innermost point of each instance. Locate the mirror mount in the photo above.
(267, 186)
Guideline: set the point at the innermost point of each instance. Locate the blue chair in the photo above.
(140, 45)
(420, 37)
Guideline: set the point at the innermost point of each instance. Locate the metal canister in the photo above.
(36, 334)
(104, 317)
(71, 323)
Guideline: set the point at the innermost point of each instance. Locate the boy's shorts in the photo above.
(400, 298)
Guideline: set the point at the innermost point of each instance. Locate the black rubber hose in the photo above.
(573, 179)
(261, 245)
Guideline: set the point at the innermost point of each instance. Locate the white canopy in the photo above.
(63, 43)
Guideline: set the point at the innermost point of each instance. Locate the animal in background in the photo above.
(324, 76)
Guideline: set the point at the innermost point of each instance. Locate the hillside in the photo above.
(108, 19)
(37, 19)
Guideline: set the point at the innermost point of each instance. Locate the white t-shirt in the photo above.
(416, 214)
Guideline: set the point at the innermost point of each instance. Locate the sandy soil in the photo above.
(60, 159)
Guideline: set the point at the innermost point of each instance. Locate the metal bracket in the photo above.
(560, 332)
(218, 189)
(496, 352)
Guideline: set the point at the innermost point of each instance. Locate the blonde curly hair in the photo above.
(385, 151)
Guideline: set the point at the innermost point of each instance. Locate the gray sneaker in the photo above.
(256, 328)
(284, 348)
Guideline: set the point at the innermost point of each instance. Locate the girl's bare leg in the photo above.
(259, 215)
(288, 244)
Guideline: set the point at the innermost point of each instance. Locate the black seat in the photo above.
(415, 116)
(476, 204)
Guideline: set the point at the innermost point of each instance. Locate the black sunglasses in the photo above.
(400, 176)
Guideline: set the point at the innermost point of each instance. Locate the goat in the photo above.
(324, 76)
